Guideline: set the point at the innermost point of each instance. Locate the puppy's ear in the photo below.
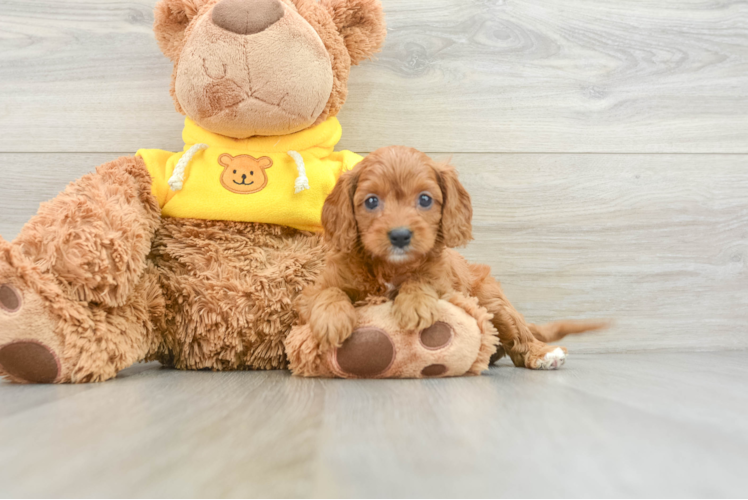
(338, 217)
(361, 24)
(171, 20)
(457, 210)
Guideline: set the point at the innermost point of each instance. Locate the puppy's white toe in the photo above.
(552, 360)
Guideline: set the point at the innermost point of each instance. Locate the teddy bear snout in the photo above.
(247, 17)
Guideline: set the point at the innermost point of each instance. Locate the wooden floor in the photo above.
(614, 425)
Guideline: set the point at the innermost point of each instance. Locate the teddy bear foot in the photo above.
(371, 353)
(28, 343)
(459, 343)
(29, 361)
(368, 353)
(26, 337)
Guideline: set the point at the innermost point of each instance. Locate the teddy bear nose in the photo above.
(247, 17)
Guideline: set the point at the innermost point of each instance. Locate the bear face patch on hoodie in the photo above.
(274, 180)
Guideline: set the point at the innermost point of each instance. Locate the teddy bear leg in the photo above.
(75, 280)
(459, 342)
(515, 335)
(117, 336)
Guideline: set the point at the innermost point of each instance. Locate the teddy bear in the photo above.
(194, 258)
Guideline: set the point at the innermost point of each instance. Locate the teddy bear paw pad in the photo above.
(434, 370)
(437, 336)
(10, 300)
(29, 361)
(368, 352)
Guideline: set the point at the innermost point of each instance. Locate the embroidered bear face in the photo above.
(244, 174)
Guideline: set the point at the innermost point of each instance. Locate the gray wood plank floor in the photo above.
(615, 425)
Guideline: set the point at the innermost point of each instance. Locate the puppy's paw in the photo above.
(549, 358)
(332, 322)
(333, 330)
(416, 309)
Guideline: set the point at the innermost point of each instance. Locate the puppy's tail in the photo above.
(551, 332)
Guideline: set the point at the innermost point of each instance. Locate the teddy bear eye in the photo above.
(371, 203)
(252, 172)
(234, 171)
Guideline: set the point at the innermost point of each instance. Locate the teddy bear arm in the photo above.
(95, 236)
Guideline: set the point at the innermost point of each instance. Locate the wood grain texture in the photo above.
(611, 426)
(455, 75)
(656, 242)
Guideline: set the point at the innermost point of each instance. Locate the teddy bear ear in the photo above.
(361, 24)
(265, 162)
(225, 160)
(171, 18)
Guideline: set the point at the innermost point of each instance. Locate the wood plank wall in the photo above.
(605, 142)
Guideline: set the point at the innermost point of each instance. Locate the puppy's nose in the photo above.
(400, 237)
(247, 17)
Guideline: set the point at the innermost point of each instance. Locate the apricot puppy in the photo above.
(392, 223)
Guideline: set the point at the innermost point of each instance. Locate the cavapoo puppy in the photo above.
(392, 223)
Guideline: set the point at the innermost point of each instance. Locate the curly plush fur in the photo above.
(127, 286)
(229, 289)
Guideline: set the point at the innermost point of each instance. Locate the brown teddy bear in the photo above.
(194, 258)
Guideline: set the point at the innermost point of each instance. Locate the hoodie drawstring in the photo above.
(176, 182)
(302, 182)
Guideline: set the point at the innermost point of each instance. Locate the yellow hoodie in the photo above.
(276, 180)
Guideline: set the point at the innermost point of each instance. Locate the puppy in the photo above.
(391, 224)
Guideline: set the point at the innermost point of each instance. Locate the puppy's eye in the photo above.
(371, 203)
(425, 201)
